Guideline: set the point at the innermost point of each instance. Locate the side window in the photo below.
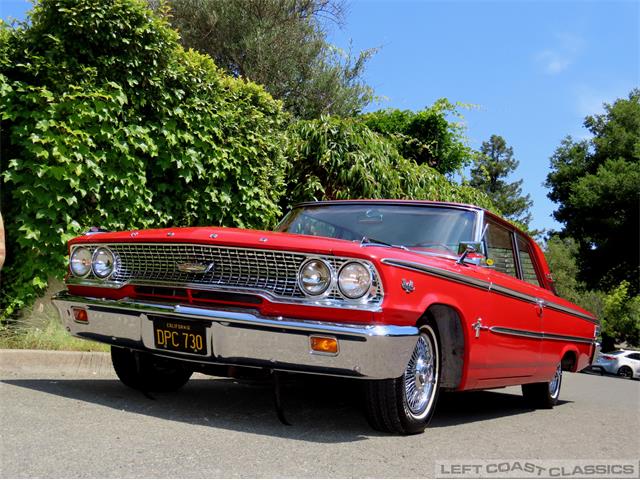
(528, 268)
(634, 356)
(500, 249)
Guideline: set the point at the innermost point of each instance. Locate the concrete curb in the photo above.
(49, 362)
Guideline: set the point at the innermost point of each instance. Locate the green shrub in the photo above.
(426, 136)
(333, 158)
(107, 120)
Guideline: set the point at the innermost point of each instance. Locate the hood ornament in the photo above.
(194, 267)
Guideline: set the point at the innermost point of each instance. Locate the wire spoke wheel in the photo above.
(406, 404)
(554, 384)
(420, 377)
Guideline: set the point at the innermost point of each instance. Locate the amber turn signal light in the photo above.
(80, 314)
(327, 345)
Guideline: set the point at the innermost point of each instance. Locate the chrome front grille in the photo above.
(240, 269)
(270, 271)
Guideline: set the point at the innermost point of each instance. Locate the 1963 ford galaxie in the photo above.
(411, 297)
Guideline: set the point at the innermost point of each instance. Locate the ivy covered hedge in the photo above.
(106, 120)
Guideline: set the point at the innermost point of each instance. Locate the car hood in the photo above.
(262, 239)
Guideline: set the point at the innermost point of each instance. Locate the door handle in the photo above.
(479, 326)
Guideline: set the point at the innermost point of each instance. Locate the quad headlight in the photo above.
(314, 277)
(103, 262)
(80, 262)
(354, 280)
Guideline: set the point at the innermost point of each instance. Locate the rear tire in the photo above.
(544, 394)
(406, 404)
(625, 372)
(148, 373)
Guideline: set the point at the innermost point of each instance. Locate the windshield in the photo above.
(411, 226)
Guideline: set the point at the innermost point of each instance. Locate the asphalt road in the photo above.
(95, 427)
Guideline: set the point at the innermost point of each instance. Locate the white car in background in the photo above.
(625, 363)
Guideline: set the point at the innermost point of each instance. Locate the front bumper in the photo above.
(246, 338)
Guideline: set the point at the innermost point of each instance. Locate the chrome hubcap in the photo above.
(420, 377)
(554, 384)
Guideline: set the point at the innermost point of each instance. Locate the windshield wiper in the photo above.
(372, 241)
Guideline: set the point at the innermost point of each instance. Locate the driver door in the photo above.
(514, 324)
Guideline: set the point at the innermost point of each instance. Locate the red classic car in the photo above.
(411, 297)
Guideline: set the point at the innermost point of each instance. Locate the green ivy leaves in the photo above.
(107, 121)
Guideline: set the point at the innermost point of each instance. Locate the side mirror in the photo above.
(474, 247)
(466, 248)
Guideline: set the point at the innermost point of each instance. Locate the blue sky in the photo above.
(533, 69)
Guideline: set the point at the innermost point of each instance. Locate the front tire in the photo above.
(406, 404)
(544, 394)
(148, 373)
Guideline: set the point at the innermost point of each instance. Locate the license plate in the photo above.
(177, 336)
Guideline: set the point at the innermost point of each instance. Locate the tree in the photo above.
(491, 166)
(335, 158)
(428, 136)
(596, 184)
(617, 310)
(282, 45)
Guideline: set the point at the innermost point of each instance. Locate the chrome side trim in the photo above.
(571, 311)
(508, 292)
(438, 272)
(485, 285)
(540, 335)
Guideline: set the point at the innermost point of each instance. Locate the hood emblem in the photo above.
(194, 267)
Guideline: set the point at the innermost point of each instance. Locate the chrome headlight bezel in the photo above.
(364, 288)
(329, 282)
(88, 263)
(95, 268)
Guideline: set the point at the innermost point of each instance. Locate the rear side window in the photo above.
(529, 273)
(634, 356)
(500, 249)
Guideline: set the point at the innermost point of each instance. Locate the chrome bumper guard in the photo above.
(246, 338)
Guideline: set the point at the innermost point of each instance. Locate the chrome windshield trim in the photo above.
(413, 203)
(540, 335)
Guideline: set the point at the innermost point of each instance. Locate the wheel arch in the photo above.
(569, 359)
(450, 333)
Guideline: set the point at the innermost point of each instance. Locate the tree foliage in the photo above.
(106, 120)
(428, 136)
(596, 184)
(617, 309)
(333, 158)
(282, 45)
(491, 166)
